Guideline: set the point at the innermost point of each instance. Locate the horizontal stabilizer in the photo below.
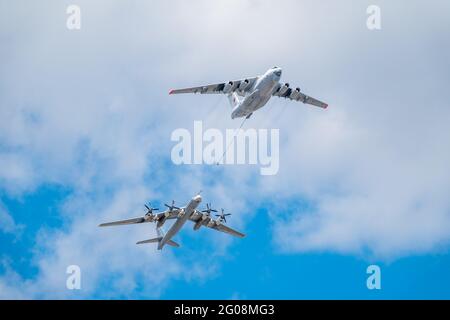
(157, 240)
(154, 240)
(173, 244)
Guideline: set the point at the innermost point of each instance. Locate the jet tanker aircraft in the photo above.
(250, 94)
(181, 215)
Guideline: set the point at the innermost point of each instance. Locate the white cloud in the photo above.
(15, 172)
(376, 168)
(75, 123)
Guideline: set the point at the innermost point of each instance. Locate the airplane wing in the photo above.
(123, 222)
(239, 86)
(223, 228)
(219, 227)
(172, 214)
(284, 91)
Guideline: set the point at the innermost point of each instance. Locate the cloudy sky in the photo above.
(85, 126)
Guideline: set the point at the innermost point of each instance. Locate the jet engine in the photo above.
(295, 93)
(228, 87)
(283, 89)
(244, 85)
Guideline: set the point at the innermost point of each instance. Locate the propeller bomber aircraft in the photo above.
(181, 214)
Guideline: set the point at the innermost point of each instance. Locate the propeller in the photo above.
(150, 209)
(172, 206)
(209, 209)
(223, 215)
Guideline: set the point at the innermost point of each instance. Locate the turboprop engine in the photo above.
(205, 217)
(162, 220)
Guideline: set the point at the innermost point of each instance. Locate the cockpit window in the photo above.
(278, 73)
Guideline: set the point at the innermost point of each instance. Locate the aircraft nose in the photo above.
(278, 72)
(198, 198)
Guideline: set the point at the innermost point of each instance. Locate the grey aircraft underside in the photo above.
(182, 215)
(250, 94)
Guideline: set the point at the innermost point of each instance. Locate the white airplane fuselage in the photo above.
(181, 220)
(261, 93)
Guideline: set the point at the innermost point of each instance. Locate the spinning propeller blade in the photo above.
(223, 216)
(209, 209)
(171, 207)
(149, 208)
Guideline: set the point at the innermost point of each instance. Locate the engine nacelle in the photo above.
(244, 85)
(283, 89)
(228, 87)
(295, 93)
(211, 223)
(149, 217)
(198, 224)
(161, 221)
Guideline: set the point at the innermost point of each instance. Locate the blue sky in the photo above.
(253, 271)
(85, 125)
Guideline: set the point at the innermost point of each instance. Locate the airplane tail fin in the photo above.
(234, 99)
